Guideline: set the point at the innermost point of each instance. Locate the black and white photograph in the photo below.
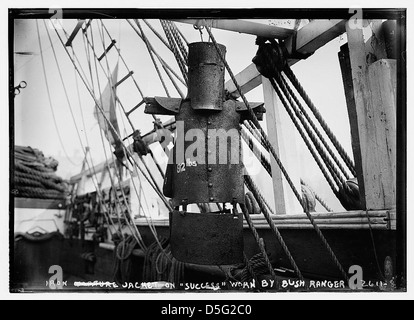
(207, 152)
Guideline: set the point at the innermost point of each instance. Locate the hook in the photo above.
(199, 28)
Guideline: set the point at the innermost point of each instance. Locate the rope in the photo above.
(40, 175)
(183, 49)
(122, 59)
(249, 268)
(312, 124)
(318, 116)
(344, 190)
(35, 178)
(116, 208)
(157, 34)
(19, 181)
(183, 52)
(159, 265)
(259, 155)
(318, 198)
(178, 58)
(334, 172)
(106, 211)
(158, 56)
(255, 264)
(295, 191)
(123, 264)
(106, 119)
(265, 163)
(33, 192)
(261, 198)
(312, 221)
(50, 99)
(181, 34)
(272, 225)
(109, 79)
(309, 146)
(258, 240)
(152, 57)
(250, 126)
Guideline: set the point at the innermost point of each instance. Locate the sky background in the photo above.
(34, 124)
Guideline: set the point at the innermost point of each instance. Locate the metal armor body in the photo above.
(203, 177)
(205, 165)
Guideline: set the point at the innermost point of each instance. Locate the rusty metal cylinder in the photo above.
(206, 76)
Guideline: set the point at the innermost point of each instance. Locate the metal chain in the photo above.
(318, 116)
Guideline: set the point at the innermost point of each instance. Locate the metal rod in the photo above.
(134, 108)
(107, 50)
(74, 33)
(123, 79)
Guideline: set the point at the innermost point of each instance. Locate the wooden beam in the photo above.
(282, 135)
(374, 88)
(248, 79)
(347, 81)
(89, 172)
(242, 26)
(308, 39)
(315, 35)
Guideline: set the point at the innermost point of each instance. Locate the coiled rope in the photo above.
(259, 241)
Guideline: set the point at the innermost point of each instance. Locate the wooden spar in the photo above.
(374, 121)
(148, 139)
(315, 35)
(380, 219)
(74, 32)
(308, 39)
(242, 26)
(282, 133)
